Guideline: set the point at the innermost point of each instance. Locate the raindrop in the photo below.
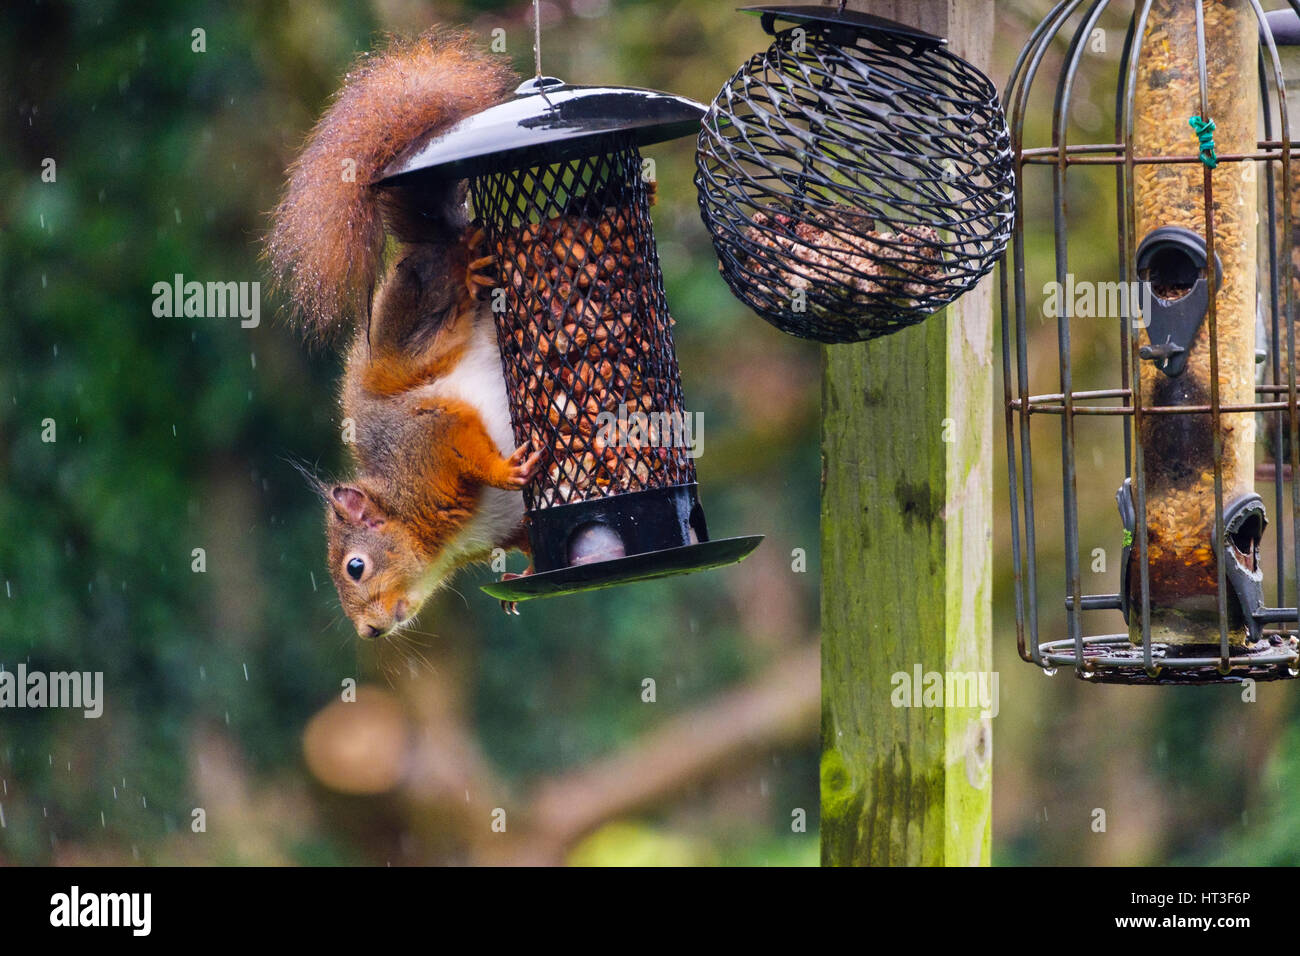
(203, 672)
(252, 357)
(312, 573)
(245, 670)
(2, 817)
(102, 822)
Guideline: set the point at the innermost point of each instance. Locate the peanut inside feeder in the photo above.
(555, 178)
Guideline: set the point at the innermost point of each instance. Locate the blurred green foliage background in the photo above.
(222, 687)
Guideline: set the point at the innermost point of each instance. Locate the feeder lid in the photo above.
(851, 19)
(547, 112)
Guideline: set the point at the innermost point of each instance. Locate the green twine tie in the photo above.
(1205, 136)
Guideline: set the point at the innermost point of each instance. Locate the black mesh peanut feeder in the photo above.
(1199, 172)
(555, 177)
(855, 176)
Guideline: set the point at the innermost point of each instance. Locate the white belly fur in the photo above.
(477, 380)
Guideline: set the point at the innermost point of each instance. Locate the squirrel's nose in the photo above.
(370, 631)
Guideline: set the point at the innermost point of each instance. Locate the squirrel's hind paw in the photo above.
(512, 607)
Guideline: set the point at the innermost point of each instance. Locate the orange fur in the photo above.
(422, 460)
(327, 233)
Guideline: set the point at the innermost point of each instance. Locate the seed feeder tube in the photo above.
(1204, 229)
(1186, 455)
(555, 178)
(855, 177)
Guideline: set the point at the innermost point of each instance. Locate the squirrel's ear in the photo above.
(352, 504)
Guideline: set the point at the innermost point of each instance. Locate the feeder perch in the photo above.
(855, 177)
(555, 178)
(1198, 149)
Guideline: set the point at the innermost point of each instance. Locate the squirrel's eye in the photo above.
(356, 567)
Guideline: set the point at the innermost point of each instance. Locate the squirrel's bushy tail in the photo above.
(327, 233)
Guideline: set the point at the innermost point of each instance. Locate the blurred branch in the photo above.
(779, 707)
(456, 791)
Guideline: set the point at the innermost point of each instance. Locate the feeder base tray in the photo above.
(634, 567)
(1114, 659)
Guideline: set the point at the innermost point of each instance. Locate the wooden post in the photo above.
(906, 528)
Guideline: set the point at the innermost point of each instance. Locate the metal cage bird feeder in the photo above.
(556, 180)
(1201, 339)
(855, 176)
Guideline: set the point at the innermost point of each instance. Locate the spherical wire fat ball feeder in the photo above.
(855, 177)
(556, 180)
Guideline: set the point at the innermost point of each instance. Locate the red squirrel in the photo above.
(437, 482)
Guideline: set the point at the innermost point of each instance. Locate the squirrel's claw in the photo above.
(478, 278)
(480, 272)
(512, 607)
(523, 466)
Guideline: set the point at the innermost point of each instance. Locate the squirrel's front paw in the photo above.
(522, 466)
(480, 272)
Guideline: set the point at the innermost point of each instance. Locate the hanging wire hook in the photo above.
(537, 36)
